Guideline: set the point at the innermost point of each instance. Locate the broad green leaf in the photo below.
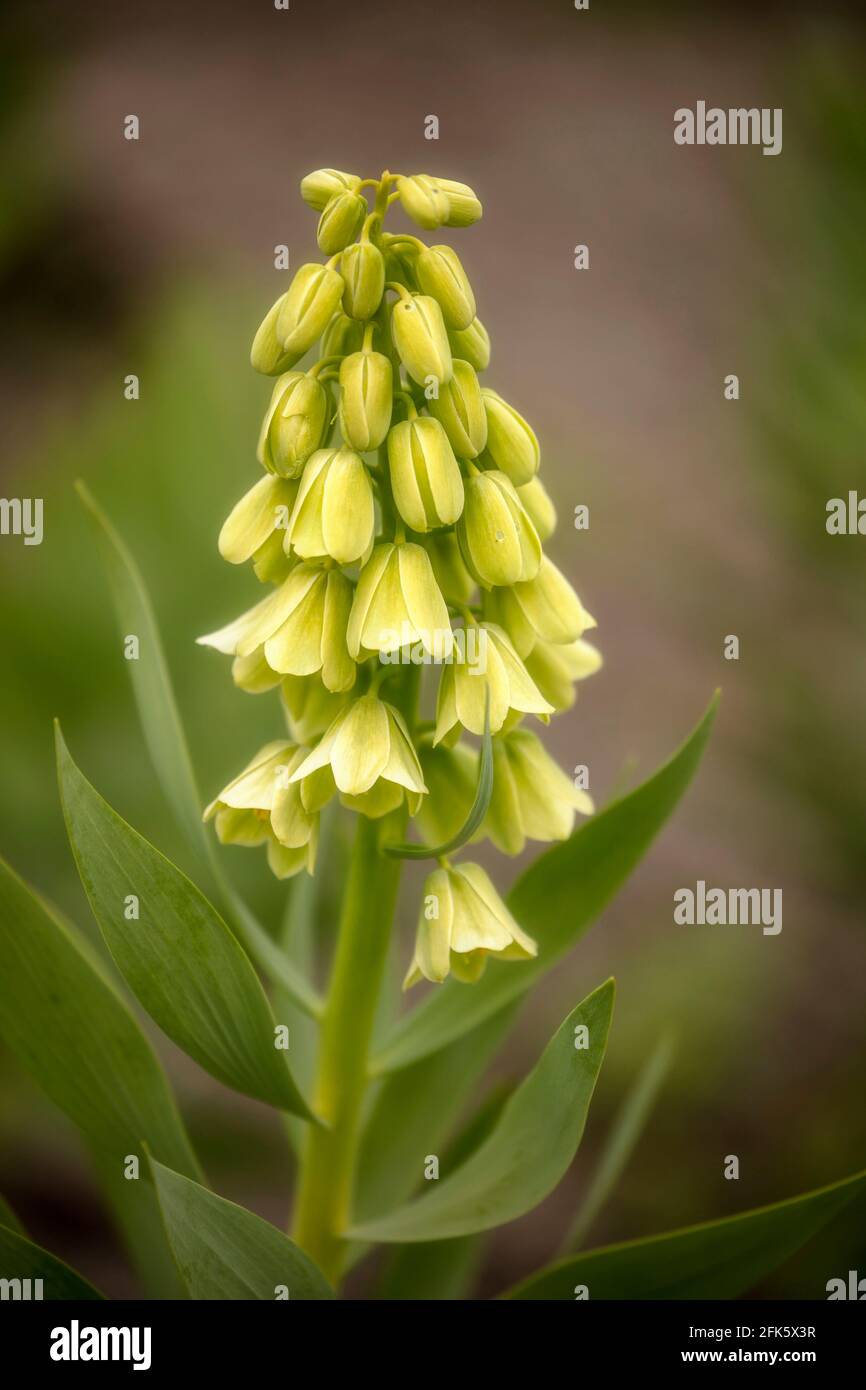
(177, 956)
(443, 1270)
(20, 1259)
(151, 682)
(528, 1151)
(477, 811)
(619, 1144)
(556, 900)
(134, 1211)
(68, 1026)
(224, 1251)
(413, 1114)
(719, 1259)
(166, 742)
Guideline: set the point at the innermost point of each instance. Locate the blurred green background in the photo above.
(707, 516)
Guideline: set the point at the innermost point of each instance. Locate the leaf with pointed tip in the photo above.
(555, 901)
(224, 1251)
(178, 957)
(68, 1026)
(719, 1259)
(166, 742)
(529, 1149)
(20, 1259)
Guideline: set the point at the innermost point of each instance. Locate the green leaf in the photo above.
(179, 958)
(163, 732)
(67, 1025)
(623, 1137)
(413, 1114)
(151, 682)
(443, 1270)
(719, 1259)
(224, 1251)
(477, 811)
(21, 1259)
(528, 1151)
(556, 900)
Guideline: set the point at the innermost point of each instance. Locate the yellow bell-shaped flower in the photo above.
(462, 921)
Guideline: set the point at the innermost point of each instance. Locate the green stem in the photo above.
(323, 1207)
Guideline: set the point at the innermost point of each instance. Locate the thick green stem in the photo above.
(324, 1198)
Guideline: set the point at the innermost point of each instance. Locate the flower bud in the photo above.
(486, 673)
(312, 299)
(451, 574)
(342, 335)
(555, 668)
(333, 513)
(340, 222)
(460, 411)
(463, 920)
(363, 270)
(267, 354)
(464, 206)
(550, 606)
(294, 424)
(366, 399)
(425, 475)
(537, 502)
(532, 798)
(261, 512)
(511, 443)
(472, 344)
(420, 338)
(498, 541)
(424, 200)
(398, 603)
(318, 188)
(441, 276)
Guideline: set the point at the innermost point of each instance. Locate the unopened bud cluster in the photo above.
(400, 504)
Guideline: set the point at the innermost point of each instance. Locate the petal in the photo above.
(386, 622)
(296, 647)
(446, 705)
(321, 754)
(433, 940)
(524, 694)
(254, 787)
(368, 583)
(338, 668)
(362, 746)
(347, 508)
(253, 519)
(504, 823)
(402, 766)
(424, 604)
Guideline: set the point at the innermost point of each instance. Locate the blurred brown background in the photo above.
(707, 516)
